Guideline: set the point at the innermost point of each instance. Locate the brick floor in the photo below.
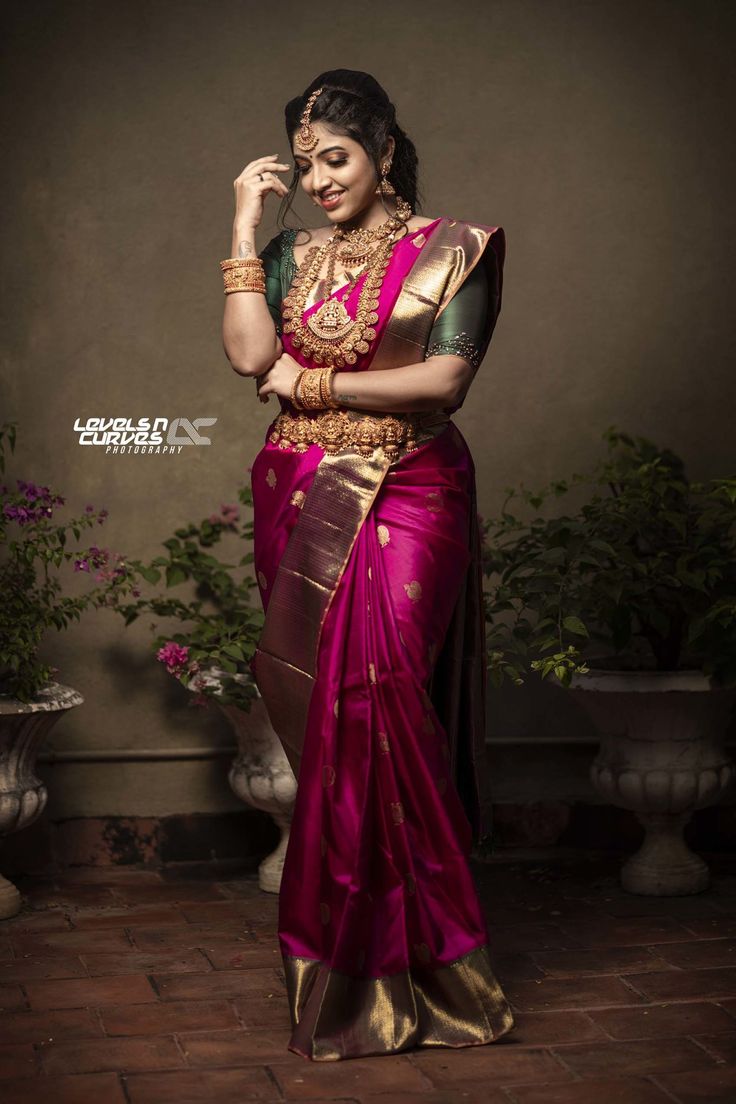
(136, 986)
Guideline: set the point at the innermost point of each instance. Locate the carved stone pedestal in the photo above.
(261, 776)
(662, 755)
(23, 728)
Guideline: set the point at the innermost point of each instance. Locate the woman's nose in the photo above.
(319, 182)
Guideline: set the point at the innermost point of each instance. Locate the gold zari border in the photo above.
(336, 1016)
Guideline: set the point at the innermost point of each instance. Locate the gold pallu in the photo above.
(337, 503)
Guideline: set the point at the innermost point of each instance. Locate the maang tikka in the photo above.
(305, 137)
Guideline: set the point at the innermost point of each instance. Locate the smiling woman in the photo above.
(367, 552)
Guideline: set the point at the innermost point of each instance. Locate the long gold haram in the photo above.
(330, 335)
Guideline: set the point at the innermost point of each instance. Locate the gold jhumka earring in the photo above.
(385, 187)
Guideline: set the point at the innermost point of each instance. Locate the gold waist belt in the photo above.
(334, 430)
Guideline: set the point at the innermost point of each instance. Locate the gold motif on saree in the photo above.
(397, 812)
(419, 240)
(413, 590)
(271, 478)
(262, 580)
(383, 535)
(372, 672)
(434, 502)
(328, 775)
(383, 741)
(370, 574)
(336, 706)
(297, 499)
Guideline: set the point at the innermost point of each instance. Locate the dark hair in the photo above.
(354, 103)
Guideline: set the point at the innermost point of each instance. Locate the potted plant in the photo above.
(211, 655)
(629, 602)
(35, 563)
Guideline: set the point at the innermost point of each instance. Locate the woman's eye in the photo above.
(302, 169)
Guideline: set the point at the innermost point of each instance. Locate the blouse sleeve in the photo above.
(271, 257)
(467, 323)
(461, 327)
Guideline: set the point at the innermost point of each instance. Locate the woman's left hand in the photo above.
(278, 379)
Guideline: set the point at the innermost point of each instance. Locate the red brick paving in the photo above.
(143, 987)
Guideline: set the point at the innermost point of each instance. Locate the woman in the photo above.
(371, 661)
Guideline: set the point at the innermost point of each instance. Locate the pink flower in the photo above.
(174, 656)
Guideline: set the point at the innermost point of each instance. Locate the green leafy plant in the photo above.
(34, 551)
(641, 576)
(222, 623)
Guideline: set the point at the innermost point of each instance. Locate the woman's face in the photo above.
(338, 164)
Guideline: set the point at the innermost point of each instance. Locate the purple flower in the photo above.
(81, 565)
(174, 655)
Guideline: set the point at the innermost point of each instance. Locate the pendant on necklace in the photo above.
(331, 321)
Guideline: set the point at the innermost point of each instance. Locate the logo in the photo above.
(145, 437)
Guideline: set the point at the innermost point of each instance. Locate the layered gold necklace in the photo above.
(330, 335)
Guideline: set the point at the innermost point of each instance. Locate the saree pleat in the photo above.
(372, 666)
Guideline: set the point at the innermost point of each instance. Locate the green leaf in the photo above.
(175, 575)
(575, 625)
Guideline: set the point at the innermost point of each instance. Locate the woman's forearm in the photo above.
(430, 385)
(248, 333)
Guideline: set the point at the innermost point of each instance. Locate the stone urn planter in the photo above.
(23, 728)
(260, 774)
(662, 755)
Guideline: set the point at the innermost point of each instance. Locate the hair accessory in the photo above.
(305, 137)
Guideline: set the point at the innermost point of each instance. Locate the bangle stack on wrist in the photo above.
(312, 389)
(243, 274)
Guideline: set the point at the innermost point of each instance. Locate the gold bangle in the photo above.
(243, 274)
(292, 397)
(240, 262)
(313, 389)
(241, 281)
(325, 386)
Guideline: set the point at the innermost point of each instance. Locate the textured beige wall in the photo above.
(597, 134)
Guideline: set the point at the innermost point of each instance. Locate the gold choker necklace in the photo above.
(330, 335)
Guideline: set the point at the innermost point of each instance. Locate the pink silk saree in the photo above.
(372, 667)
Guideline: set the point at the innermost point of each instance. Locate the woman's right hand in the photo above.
(250, 190)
